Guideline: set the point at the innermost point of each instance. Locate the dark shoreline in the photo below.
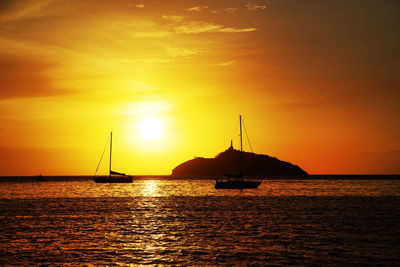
(210, 177)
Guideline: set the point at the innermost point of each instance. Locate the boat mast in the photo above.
(110, 151)
(241, 147)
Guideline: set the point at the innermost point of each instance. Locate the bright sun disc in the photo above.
(150, 128)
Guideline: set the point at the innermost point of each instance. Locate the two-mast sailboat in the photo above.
(113, 177)
(237, 182)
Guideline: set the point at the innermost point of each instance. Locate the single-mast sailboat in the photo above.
(113, 177)
(237, 181)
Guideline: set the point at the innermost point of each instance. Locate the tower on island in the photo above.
(231, 147)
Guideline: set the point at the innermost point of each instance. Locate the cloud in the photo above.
(227, 63)
(173, 18)
(180, 52)
(231, 9)
(252, 6)
(196, 8)
(140, 5)
(203, 27)
(177, 25)
(14, 10)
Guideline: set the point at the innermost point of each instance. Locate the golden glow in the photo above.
(150, 188)
(150, 128)
(310, 97)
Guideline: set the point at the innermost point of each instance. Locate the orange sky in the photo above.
(316, 82)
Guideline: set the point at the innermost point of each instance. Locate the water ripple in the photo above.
(237, 229)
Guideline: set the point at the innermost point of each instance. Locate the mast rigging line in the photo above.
(251, 148)
(102, 154)
(247, 136)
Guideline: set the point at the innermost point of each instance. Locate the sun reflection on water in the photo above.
(150, 188)
(180, 223)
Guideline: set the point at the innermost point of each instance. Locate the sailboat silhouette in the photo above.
(236, 181)
(113, 177)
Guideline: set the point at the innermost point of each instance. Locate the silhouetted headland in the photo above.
(228, 163)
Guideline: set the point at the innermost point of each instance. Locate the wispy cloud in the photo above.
(227, 63)
(231, 9)
(173, 18)
(178, 25)
(197, 8)
(140, 5)
(252, 6)
(180, 52)
(203, 27)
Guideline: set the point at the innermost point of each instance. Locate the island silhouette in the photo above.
(228, 163)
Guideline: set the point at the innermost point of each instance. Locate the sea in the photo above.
(188, 222)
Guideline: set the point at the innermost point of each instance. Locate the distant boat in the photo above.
(39, 178)
(113, 177)
(236, 181)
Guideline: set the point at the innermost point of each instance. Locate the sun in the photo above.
(150, 128)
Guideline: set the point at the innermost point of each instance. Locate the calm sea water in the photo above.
(322, 222)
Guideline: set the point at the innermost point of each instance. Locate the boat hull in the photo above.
(108, 179)
(236, 184)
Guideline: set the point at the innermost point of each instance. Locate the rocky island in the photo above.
(228, 163)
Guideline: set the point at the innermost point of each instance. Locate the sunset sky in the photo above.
(317, 82)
